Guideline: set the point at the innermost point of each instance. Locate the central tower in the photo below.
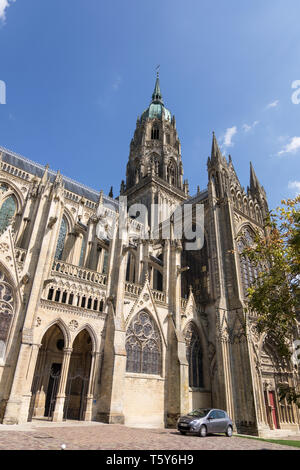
(154, 171)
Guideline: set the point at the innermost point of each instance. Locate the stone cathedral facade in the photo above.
(133, 330)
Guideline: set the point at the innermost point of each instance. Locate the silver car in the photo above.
(204, 421)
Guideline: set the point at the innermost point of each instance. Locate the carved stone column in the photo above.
(61, 393)
(90, 391)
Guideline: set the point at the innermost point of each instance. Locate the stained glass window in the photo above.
(248, 271)
(194, 356)
(61, 239)
(143, 346)
(7, 212)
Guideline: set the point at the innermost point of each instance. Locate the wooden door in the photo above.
(273, 409)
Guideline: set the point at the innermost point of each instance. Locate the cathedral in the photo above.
(134, 329)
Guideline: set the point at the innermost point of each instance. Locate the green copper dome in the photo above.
(156, 108)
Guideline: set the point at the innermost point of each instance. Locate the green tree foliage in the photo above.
(275, 295)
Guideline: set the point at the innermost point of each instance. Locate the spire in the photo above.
(215, 151)
(254, 183)
(156, 96)
(45, 174)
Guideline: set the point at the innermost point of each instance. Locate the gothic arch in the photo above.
(244, 227)
(63, 237)
(194, 355)
(92, 334)
(239, 201)
(69, 218)
(64, 329)
(199, 327)
(172, 173)
(245, 203)
(13, 189)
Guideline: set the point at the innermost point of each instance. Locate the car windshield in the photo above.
(201, 412)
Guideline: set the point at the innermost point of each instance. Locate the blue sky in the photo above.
(79, 72)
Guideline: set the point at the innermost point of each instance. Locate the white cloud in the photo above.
(230, 132)
(295, 186)
(4, 4)
(292, 147)
(248, 127)
(273, 104)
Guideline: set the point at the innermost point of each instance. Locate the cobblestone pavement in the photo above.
(98, 436)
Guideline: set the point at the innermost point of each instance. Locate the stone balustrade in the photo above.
(133, 289)
(159, 296)
(77, 272)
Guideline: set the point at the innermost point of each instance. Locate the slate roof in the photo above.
(37, 169)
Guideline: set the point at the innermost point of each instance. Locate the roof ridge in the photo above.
(53, 173)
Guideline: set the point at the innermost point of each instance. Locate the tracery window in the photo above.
(6, 311)
(61, 238)
(194, 356)
(143, 345)
(248, 271)
(7, 211)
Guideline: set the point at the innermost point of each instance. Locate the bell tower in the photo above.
(154, 170)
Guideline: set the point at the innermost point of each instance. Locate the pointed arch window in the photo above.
(154, 133)
(171, 173)
(61, 238)
(194, 356)
(143, 346)
(7, 212)
(130, 269)
(248, 271)
(6, 311)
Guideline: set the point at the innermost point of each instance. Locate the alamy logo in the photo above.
(2, 92)
(296, 94)
(183, 223)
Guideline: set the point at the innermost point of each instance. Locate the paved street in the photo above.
(98, 436)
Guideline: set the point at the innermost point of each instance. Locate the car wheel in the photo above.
(229, 431)
(202, 431)
(183, 432)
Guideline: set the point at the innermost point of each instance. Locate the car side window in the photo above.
(221, 414)
(213, 415)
